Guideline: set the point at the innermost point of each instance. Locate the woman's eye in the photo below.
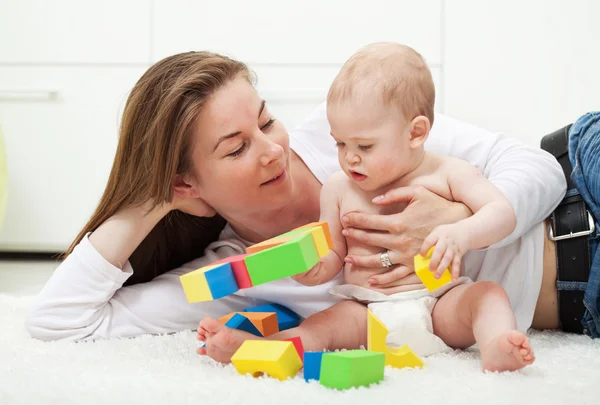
(268, 125)
(239, 151)
(365, 147)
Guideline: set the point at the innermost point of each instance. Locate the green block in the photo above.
(353, 368)
(288, 259)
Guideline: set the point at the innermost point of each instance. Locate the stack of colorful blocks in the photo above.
(286, 255)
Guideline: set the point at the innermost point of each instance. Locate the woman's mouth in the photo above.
(357, 176)
(276, 180)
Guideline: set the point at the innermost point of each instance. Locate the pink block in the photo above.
(240, 272)
(298, 345)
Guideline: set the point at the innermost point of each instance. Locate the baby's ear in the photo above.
(419, 131)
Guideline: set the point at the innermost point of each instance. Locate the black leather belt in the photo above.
(570, 225)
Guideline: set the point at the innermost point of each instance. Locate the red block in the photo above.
(298, 345)
(240, 272)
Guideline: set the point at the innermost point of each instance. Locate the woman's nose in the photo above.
(271, 151)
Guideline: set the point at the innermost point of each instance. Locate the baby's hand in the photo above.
(450, 246)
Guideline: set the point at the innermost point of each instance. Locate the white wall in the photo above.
(66, 67)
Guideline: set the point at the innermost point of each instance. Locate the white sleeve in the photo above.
(530, 178)
(85, 299)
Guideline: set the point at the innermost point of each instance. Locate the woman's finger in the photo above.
(374, 261)
(392, 275)
(367, 221)
(396, 195)
(380, 239)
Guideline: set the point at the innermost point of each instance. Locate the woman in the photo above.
(197, 139)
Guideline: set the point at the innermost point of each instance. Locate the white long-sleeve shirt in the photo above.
(85, 297)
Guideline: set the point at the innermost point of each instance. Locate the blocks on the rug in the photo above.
(352, 368)
(312, 365)
(240, 322)
(278, 359)
(394, 357)
(291, 258)
(265, 322)
(297, 345)
(209, 283)
(286, 318)
(427, 276)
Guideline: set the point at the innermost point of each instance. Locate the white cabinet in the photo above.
(71, 31)
(60, 127)
(525, 68)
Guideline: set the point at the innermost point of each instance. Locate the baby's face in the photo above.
(372, 141)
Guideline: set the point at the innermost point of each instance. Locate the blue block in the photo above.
(312, 365)
(221, 281)
(240, 322)
(286, 318)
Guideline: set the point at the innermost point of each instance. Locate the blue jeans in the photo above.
(584, 154)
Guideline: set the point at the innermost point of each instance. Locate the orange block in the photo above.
(293, 234)
(265, 322)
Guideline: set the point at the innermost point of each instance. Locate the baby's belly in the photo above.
(360, 275)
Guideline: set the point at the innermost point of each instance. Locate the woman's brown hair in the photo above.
(156, 131)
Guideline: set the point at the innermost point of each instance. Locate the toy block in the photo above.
(277, 359)
(320, 234)
(286, 260)
(352, 368)
(240, 322)
(323, 225)
(312, 365)
(427, 276)
(394, 357)
(209, 283)
(265, 322)
(240, 272)
(286, 318)
(297, 341)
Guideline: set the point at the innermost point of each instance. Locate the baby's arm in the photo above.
(329, 266)
(493, 218)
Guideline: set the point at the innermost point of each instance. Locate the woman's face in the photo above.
(241, 154)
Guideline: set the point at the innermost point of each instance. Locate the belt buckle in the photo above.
(572, 235)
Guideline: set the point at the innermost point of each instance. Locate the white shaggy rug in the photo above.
(166, 370)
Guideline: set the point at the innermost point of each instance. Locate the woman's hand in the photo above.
(402, 234)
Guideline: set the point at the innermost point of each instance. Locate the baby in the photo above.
(380, 108)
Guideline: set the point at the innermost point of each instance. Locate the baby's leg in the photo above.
(343, 326)
(481, 313)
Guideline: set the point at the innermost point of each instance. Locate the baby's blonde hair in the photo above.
(394, 73)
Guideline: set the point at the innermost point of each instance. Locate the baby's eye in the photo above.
(340, 144)
(365, 147)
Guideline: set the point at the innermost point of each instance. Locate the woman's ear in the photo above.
(419, 131)
(187, 197)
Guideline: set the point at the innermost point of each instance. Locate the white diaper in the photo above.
(407, 315)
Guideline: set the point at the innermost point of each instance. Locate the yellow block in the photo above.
(320, 235)
(275, 358)
(394, 357)
(326, 230)
(427, 276)
(195, 285)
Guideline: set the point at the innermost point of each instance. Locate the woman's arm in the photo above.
(85, 299)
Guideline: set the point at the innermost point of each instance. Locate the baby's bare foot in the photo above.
(507, 352)
(221, 342)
